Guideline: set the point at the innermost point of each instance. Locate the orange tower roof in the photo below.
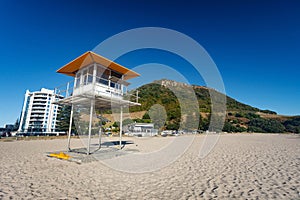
(90, 57)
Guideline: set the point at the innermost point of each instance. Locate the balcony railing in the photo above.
(33, 115)
(40, 107)
(39, 102)
(112, 87)
(65, 90)
(40, 98)
(41, 95)
(34, 110)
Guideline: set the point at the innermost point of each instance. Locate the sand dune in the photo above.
(242, 166)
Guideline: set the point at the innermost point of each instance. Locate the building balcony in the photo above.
(39, 99)
(39, 106)
(111, 89)
(39, 102)
(41, 95)
(36, 116)
(34, 110)
(40, 118)
(102, 87)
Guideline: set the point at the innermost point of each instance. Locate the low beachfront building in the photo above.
(141, 129)
(39, 114)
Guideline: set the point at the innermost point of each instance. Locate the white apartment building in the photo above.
(38, 113)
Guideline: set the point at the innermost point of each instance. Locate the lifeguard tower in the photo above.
(99, 84)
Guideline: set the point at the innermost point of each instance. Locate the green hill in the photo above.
(240, 117)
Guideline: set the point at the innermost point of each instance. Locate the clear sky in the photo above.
(255, 44)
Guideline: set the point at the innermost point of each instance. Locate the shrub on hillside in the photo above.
(292, 125)
(265, 126)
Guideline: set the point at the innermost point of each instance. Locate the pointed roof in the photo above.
(90, 57)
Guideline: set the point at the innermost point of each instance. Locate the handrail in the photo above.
(120, 86)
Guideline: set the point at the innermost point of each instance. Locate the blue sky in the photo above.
(255, 44)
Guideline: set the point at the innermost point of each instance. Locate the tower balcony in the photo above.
(110, 90)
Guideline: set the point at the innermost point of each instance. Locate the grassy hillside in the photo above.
(240, 117)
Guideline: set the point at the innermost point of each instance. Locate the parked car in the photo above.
(108, 133)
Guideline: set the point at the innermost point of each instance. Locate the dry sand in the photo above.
(241, 166)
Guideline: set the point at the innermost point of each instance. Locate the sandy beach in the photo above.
(241, 166)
